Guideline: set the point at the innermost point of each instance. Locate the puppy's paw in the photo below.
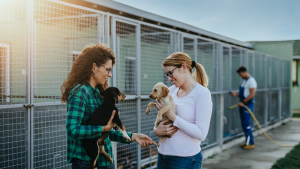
(126, 137)
(110, 160)
(147, 111)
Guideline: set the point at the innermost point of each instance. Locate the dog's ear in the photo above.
(165, 91)
(102, 94)
(115, 96)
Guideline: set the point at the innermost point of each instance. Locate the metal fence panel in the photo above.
(236, 62)
(126, 46)
(251, 62)
(128, 116)
(61, 32)
(188, 47)
(226, 69)
(156, 45)
(273, 106)
(206, 55)
(148, 154)
(285, 108)
(49, 137)
(13, 138)
(13, 51)
(259, 108)
(259, 71)
(213, 127)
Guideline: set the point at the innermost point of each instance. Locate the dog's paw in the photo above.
(147, 111)
(110, 160)
(127, 138)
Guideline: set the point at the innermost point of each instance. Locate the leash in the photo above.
(282, 145)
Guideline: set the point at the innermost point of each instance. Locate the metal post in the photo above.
(264, 59)
(29, 17)
(279, 91)
(138, 67)
(195, 49)
(107, 30)
(114, 47)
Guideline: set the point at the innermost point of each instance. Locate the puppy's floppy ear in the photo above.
(165, 91)
(102, 95)
(115, 96)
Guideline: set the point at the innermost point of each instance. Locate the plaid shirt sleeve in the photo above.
(117, 136)
(74, 119)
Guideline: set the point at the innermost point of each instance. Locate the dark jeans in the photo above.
(175, 162)
(81, 164)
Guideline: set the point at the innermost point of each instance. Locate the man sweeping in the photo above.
(246, 94)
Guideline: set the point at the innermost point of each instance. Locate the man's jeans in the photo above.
(81, 164)
(175, 162)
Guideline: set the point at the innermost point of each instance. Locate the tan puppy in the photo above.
(161, 92)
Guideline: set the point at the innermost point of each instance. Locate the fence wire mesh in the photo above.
(61, 31)
(126, 57)
(13, 52)
(49, 137)
(13, 138)
(127, 154)
(156, 45)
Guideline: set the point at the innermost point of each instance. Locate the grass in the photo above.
(290, 161)
(296, 115)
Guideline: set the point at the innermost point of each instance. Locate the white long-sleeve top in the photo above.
(193, 119)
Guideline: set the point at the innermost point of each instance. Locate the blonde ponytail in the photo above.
(201, 76)
(179, 58)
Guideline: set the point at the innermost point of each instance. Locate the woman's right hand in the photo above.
(110, 124)
(163, 129)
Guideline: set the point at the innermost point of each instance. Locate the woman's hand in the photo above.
(163, 129)
(142, 139)
(110, 124)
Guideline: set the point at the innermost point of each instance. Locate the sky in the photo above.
(244, 20)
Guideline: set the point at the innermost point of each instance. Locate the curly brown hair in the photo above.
(82, 68)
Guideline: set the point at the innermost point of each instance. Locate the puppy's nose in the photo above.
(150, 96)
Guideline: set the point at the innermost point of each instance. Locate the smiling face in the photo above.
(102, 72)
(178, 75)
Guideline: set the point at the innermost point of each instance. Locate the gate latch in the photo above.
(28, 105)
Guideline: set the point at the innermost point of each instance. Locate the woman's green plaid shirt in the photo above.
(82, 102)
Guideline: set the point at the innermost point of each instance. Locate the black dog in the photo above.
(101, 116)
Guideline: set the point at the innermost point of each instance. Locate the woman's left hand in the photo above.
(142, 139)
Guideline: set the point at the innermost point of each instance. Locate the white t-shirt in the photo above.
(193, 119)
(250, 83)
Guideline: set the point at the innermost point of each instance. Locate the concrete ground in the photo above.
(265, 153)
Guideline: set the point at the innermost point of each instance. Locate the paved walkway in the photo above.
(265, 153)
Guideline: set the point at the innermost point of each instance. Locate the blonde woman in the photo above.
(194, 109)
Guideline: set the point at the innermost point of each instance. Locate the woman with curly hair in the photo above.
(81, 91)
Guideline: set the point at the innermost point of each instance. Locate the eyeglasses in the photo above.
(170, 73)
(108, 69)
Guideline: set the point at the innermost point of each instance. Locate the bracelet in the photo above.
(104, 128)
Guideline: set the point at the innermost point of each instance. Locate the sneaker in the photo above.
(243, 145)
(248, 147)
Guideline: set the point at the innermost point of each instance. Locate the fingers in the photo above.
(163, 122)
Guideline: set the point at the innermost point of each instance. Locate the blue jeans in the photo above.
(175, 162)
(81, 164)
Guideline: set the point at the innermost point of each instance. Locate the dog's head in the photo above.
(159, 90)
(112, 93)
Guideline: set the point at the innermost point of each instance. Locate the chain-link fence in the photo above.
(39, 42)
